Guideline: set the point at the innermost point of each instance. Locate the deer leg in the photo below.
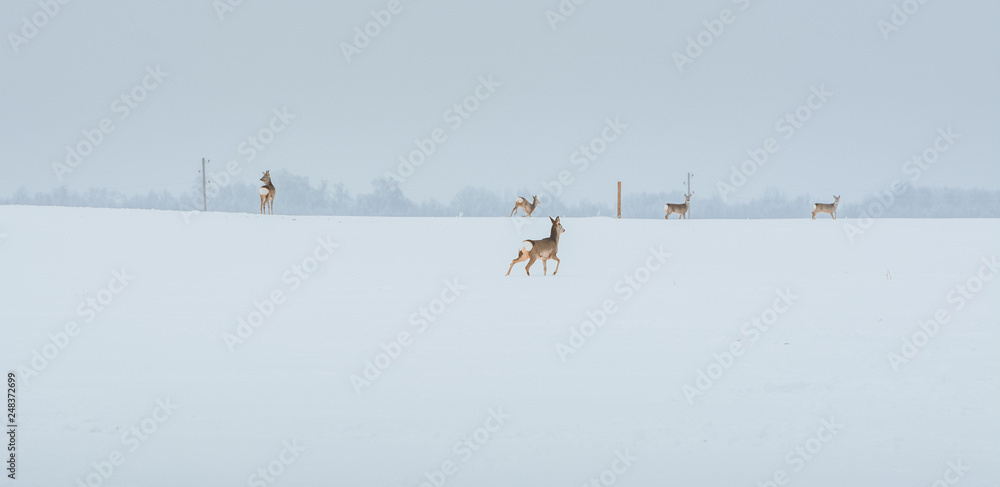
(834, 215)
(527, 268)
(261, 205)
(545, 266)
(513, 211)
(521, 257)
(557, 265)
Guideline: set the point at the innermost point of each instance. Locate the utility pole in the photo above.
(204, 194)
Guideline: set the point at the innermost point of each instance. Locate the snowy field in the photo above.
(161, 348)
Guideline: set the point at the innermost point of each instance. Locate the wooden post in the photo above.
(619, 199)
(688, 214)
(204, 197)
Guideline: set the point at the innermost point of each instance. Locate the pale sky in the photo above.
(552, 90)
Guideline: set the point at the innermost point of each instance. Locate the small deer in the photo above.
(680, 208)
(523, 204)
(266, 193)
(830, 208)
(545, 249)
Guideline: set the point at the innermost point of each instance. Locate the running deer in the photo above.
(679, 208)
(545, 249)
(266, 193)
(830, 208)
(523, 204)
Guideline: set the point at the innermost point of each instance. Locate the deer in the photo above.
(523, 204)
(266, 193)
(545, 249)
(680, 208)
(830, 208)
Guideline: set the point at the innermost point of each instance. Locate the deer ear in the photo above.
(553, 221)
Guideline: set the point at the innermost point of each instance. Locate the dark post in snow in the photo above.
(688, 214)
(204, 196)
(619, 199)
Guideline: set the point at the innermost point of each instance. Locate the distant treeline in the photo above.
(296, 196)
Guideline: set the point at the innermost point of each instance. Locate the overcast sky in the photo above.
(556, 81)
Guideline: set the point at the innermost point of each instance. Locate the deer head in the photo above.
(266, 178)
(557, 228)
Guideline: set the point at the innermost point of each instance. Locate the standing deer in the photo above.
(523, 204)
(266, 193)
(679, 208)
(545, 249)
(830, 208)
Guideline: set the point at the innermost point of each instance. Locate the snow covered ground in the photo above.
(160, 348)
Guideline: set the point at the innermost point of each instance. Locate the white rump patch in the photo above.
(526, 246)
(521, 200)
(264, 192)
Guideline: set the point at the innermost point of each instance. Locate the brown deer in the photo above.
(266, 193)
(523, 204)
(830, 208)
(545, 249)
(679, 208)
